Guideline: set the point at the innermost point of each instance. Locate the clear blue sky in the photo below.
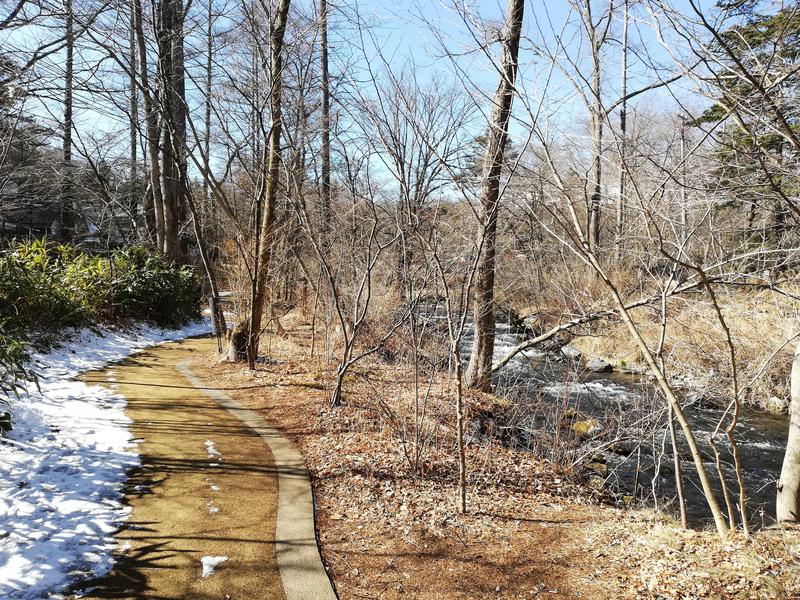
(404, 30)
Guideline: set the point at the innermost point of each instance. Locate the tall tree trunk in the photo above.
(238, 346)
(780, 211)
(684, 187)
(623, 132)
(597, 150)
(326, 123)
(218, 314)
(66, 222)
(134, 125)
(244, 339)
(153, 133)
(170, 49)
(207, 199)
(461, 502)
(479, 371)
(179, 100)
(169, 195)
(787, 504)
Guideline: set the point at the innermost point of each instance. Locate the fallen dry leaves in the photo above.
(530, 531)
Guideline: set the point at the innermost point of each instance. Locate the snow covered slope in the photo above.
(63, 466)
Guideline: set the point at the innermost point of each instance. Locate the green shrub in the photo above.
(14, 372)
(32, 290)
(144, 287)
(45, 287)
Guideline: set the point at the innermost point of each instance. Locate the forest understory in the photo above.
(532, 529)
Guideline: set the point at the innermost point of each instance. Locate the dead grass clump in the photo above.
(662, 561)
(695, 348)
(762, 324)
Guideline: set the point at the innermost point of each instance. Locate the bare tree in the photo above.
(597, 29)
(66, 218)
(623, 132)
(244, 339)
(325, 188)
(479, 370)
(153, 133)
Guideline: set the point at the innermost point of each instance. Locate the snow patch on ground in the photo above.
(63, 466)
(212, 449)
(210, 563)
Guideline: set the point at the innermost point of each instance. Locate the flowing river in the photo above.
(631, 448)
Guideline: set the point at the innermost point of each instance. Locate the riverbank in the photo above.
(620, 424)
(390, 531)
(763, 326)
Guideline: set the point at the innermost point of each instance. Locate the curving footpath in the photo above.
(221, 506)
(301, 570)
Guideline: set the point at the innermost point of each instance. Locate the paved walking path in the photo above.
(219, 493)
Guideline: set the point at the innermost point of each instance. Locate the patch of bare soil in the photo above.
(390, 531)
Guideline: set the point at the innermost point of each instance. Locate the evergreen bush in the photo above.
(43, 287)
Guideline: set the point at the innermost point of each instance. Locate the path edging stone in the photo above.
(299, 562)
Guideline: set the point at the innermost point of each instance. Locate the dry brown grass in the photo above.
(695, 347)
(656, 559)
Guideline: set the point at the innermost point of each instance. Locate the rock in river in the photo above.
(598, 365)
(587, 428)
(571, 352)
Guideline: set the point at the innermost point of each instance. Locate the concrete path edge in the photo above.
(299, 562)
